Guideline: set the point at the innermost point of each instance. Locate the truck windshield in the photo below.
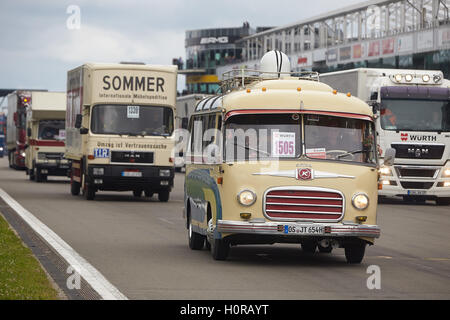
(415, 115)
(338, 138)
(132, 120)
(52, 130)
(262, 136)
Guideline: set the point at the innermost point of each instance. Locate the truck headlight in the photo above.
(23, 154)
(360, 201)
(164, 173)
(98, 171)
(446, 172)
(246, 197)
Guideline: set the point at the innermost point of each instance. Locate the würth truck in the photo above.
(46, 133)
(18, 101)
(413, 117)
(120, 128)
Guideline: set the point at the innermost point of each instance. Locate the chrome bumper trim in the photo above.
(277, 228)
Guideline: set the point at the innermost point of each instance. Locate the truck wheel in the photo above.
(39, 176)
(32, 175)
(220, 248)
(309, 246)
(148, 193)
(75, 188)
(325, 249)
(163, 196)
(137, 193)
(443, 201)
(196, 241)
(355, 252)
(89, 192)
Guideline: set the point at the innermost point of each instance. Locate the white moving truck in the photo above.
(413, 117)
(46, 133)
(120, 128)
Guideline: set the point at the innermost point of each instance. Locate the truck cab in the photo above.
(46, 136)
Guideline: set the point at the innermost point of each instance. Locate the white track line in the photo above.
(95, 279)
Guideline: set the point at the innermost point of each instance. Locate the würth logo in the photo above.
(404, 136)
(304, 174)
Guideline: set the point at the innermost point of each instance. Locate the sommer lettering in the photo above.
(150, 84)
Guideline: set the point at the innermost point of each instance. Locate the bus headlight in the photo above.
(385, 171)
(360, 201)
(23, 154)
(246, 197)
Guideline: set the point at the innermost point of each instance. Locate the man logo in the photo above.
(304, 174)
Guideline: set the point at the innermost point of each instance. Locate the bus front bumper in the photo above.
(299, 229)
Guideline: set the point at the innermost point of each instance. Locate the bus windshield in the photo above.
(338, 138)
(132, 120)
(262, 136)
(52, 130)
(415, 115)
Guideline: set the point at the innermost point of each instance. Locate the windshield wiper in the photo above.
(252, 149)
(350, 153)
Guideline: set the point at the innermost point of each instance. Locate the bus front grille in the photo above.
(316, 204)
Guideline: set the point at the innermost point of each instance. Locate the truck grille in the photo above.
(417, 173)
(51, 155)
(418, 151)
(304, 204)
(416, 185)
(131, 157)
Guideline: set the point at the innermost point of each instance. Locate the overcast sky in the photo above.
(37, 47)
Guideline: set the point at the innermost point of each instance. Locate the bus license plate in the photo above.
(131, 174)
(294, 229)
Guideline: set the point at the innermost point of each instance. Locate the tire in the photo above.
(220, 248)
(354, 253)
(31, 174)
(325, 249)
(75, 188)
(443, 201)
(309, 246)
(196, 241)
(163, 196)
(39, 176)
(89, 192)
(148, 193)
(137, 193)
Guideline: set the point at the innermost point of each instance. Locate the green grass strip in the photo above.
(21, 275)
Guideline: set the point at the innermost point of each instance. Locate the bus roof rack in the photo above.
(237, 78)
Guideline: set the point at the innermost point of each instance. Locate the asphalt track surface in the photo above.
(140, 246)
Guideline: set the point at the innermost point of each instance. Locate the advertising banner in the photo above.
(388, 46)
(374, 48)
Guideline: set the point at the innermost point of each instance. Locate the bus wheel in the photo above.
(75, 188)
(40, 177)
(163, 195)
(196, 241)
(220, 248)
(354, 252)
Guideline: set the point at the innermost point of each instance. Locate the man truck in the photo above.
(413, 117)
(46, 134)
(120, 128)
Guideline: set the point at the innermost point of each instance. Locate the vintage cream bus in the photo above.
(280, 158)
(120, 128)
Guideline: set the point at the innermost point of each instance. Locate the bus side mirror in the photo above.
(84, 130)
(28, 132)
(389, 157)
(78, 120)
